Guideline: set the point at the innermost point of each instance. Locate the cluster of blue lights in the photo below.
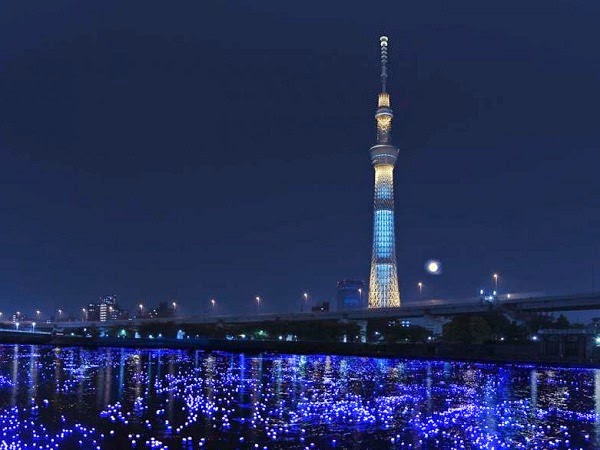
(384, 190)
(118, 398)
(383, 233)
(385, 276)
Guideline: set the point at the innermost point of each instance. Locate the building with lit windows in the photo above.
(105, 309)
(350, 294)
(164, 309)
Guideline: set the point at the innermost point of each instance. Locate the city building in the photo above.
(350, 294)
(383, 282)
(18, 317)
(323, 307)
(110, 300)
(92, 312)
(107, 308)
(164, 309)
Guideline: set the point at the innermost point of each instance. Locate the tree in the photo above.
(504, 328)
(412, 333)
(468, 329)
(479, 329)
(562, 322)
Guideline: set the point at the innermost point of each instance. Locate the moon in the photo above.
(433, 267)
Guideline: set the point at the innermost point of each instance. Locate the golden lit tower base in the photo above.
(383, 283)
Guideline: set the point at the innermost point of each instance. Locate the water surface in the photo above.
(123, 398)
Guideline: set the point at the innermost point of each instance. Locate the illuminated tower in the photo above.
(383, 283)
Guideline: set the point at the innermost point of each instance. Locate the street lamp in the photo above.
(360, 296)
(174, 305)
(495, 277)
(59, 314)
(420, 289)
(257, 304)
(212, 304)
(17, 325)
(85, 313)
(305, 302)
(33, 327)
(141, 309)
(38, 312)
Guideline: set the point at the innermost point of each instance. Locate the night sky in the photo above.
(190, 150)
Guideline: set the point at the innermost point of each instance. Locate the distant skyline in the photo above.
(210, 150)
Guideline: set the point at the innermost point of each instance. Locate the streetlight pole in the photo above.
(85, 314)
(212, 305)
(420, 290)
(495, 277)
(257, 304)
(59, 314)
(305, 301)
(141, 306)
(360, 297)
(174, 305)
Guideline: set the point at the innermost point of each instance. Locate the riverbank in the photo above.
(493, 353)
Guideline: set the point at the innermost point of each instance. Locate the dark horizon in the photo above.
(219, 151)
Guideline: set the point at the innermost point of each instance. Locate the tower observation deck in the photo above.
(383, 282)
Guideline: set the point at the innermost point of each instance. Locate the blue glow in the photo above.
(385, 274)
(121, 398)
(384, 191)
(383, 233)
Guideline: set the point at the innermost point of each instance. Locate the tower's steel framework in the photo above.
(383, 283)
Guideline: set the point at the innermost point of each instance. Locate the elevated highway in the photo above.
(427, 308)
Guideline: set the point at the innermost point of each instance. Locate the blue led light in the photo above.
(383, 233)
(384, 191)
(176, 399)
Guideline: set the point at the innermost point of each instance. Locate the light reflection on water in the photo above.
(122, 398)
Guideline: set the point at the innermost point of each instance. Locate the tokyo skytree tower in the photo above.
(383, 282)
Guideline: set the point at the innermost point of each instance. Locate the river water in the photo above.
(123, 398)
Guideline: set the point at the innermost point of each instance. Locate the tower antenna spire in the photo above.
(383, 42)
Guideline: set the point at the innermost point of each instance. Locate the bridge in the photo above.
(409, 310)
(340, 332)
